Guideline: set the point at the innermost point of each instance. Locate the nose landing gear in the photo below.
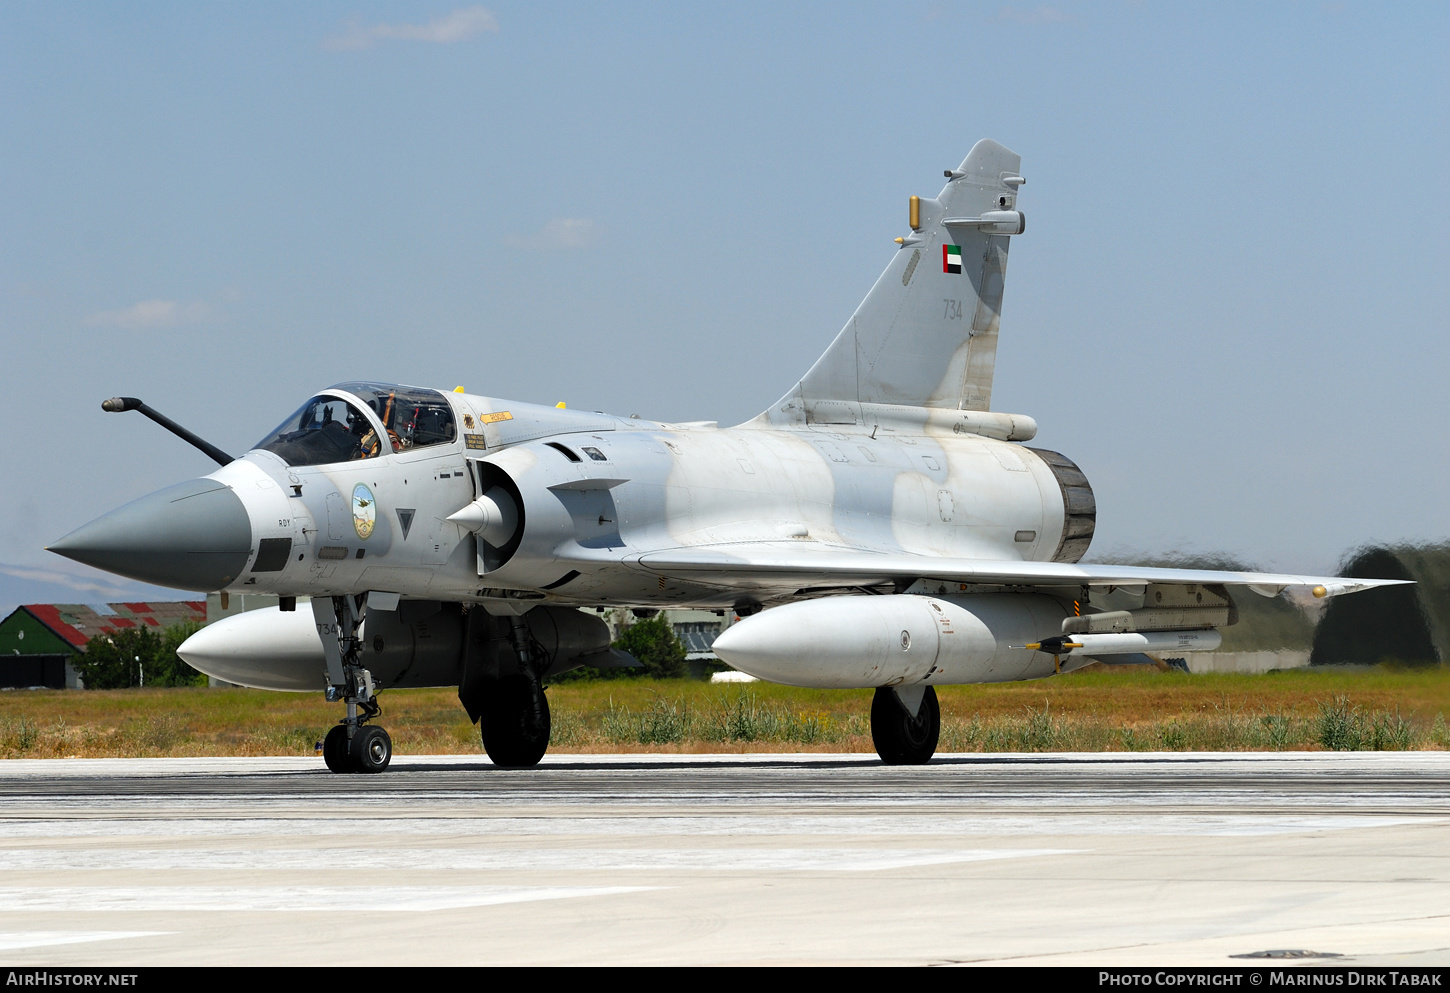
(352, 745)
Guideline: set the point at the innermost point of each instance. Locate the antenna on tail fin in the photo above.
(926, 334)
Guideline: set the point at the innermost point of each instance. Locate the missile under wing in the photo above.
(878, 526)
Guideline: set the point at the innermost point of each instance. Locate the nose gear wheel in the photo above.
(372, 749)
(334, 749)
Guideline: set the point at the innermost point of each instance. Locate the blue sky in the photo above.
(1229, 306)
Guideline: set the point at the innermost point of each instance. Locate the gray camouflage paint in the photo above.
(881, 468)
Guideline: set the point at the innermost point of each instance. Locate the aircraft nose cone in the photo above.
(192, 536)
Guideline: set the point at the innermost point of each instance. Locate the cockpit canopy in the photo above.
(331, 429)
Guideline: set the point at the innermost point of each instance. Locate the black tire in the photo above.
(901, 738)
(515, 723)
(372, 749)
(334, 750)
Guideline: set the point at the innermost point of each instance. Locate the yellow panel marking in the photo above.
(502, 415)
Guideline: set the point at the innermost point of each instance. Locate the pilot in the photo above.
(368, 439)
(367, 436)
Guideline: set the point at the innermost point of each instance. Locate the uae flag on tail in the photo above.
(951, 259)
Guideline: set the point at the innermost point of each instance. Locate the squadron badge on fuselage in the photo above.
(364, 511)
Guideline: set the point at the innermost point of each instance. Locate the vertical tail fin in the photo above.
(926, 334)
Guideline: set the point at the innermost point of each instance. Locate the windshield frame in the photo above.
(367, 412)
(354, 404)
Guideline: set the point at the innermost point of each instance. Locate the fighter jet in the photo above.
(879, 526)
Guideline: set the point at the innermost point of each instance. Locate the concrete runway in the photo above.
(1073, 859)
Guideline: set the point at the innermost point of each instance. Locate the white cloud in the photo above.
(1038, 15)
(561, 232)
(150, 314)
(460, 25)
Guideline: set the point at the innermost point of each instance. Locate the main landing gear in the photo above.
(352, 745)
(515, 722)
(905, 724)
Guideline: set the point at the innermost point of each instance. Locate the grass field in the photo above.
(1099, 709)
